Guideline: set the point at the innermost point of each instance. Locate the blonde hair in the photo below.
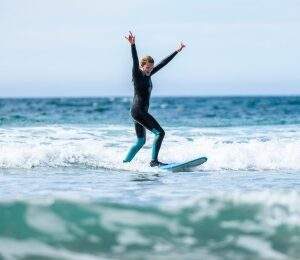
(146, 59)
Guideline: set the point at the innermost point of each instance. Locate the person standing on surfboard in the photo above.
(141, 77)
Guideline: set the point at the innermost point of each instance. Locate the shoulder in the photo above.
(137, 72)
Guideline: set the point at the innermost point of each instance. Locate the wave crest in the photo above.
(234, 227)
(105, 147)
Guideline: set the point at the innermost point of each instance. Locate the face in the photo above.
(147, 68)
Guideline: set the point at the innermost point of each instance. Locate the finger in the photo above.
(131, 33)
(126, 38)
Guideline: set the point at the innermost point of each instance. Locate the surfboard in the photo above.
(179, 167)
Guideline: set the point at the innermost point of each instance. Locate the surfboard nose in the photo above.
(185, 165)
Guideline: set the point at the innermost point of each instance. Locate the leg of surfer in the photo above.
(151, 124)
(159, 136)
(141, 139)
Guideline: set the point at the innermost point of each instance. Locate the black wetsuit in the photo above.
(139, 110)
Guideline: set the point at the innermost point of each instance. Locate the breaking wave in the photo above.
(256, 225)
(256, 148)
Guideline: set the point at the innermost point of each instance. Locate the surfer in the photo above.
(141, 77)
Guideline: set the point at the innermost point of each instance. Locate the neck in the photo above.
(145, 73)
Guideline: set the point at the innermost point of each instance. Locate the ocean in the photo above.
(66, 194)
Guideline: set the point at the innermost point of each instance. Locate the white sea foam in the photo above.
(249, 148)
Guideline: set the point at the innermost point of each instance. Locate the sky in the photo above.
(77, 47)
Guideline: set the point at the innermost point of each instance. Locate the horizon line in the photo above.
(154, 96)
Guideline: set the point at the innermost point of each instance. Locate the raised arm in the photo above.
(166, 60)
(131, 39)
(135, 58)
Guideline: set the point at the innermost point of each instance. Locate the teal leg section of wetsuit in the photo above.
(159, 135)
(134, 149)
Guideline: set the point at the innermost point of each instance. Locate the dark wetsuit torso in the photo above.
(142, 83)
(139, 110)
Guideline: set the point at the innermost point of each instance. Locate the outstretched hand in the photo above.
(182, 45)
(130, 38)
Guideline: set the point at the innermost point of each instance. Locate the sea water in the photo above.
(65, 193)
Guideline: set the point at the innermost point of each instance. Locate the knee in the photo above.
(159, 133)
(141, 141)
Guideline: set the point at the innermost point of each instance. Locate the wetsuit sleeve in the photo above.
(164, 62)
(134, 58)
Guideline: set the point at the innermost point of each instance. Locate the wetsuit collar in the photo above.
(144, 73)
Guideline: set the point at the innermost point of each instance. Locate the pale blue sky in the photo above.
(77, 48)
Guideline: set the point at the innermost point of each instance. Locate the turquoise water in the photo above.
(65, 193)
(179, 111)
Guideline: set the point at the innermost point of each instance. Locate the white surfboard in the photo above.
(179, 167)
